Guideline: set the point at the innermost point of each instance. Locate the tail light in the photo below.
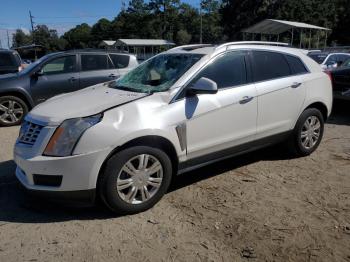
(329, 75)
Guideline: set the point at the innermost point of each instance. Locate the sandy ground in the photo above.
(261, 206)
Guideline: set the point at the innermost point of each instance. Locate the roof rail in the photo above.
(252, 43)
(194, 46)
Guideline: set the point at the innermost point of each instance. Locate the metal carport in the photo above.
(277, 27)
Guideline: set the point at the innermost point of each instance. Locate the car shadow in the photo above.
(16, 205)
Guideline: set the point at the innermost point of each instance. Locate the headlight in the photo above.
(67, 135)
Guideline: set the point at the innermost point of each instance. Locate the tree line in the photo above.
(221, 20)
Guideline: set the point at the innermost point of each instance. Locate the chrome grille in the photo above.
(29, 133)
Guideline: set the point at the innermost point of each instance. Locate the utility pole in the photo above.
(0, 44)
(33, 38)
(31, 22)
(201, 27)
(8, 39)
(123, 7)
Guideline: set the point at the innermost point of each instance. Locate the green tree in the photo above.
(19, 38)
(78, 37)
(212, 30)
(183, 37)
(102, 30)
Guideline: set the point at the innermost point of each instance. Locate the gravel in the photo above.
(261, 206)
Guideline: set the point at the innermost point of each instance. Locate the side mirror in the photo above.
(38, 73)
(203, 86)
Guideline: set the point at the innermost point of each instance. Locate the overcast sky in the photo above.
(60, 15)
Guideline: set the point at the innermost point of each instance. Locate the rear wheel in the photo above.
(12, 110)
(135, 179)
(308, 132)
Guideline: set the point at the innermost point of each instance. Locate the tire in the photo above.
(12, 110)
(298, 141)
(117, 198)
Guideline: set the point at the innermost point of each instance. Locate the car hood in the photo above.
(86, 102)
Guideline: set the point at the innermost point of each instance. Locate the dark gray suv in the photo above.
(57, 73)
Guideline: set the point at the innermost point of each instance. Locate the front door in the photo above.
(224, 120)
(58, 75)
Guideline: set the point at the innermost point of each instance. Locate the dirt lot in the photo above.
(257, 207)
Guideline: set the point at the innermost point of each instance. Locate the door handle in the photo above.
(72, 79)
(112, 75)
(295, 85)
(246, 99)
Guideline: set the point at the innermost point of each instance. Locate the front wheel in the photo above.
(308, 132)
(135, 179)
(12, 110)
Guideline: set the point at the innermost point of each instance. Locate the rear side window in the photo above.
(269, 65)
(6, 60)
(94, 62)
(296, 65)
(120, 61)
(227, 71)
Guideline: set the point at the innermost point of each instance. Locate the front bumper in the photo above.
(81, 197)
(77, 172)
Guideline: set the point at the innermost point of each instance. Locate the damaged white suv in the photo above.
(182, 109)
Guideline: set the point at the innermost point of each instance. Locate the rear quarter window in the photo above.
(120, 61)
(296, 65)
(269, 65)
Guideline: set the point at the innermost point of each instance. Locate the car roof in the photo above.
(216, 49)
(77, 51)
(81, 51)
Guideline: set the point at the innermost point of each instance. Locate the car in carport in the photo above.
(55, 74)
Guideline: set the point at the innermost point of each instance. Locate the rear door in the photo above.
(59, 75)
(96, 68)
(281, 91)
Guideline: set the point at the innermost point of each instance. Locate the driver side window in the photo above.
(61, 65)
(228, 70)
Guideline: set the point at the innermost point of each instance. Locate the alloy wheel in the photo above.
(310, 132)
(10, 111)
(139, 179)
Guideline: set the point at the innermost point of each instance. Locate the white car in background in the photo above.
(329, 60)
(182, 109)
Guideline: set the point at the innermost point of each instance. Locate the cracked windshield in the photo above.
(157, 74)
